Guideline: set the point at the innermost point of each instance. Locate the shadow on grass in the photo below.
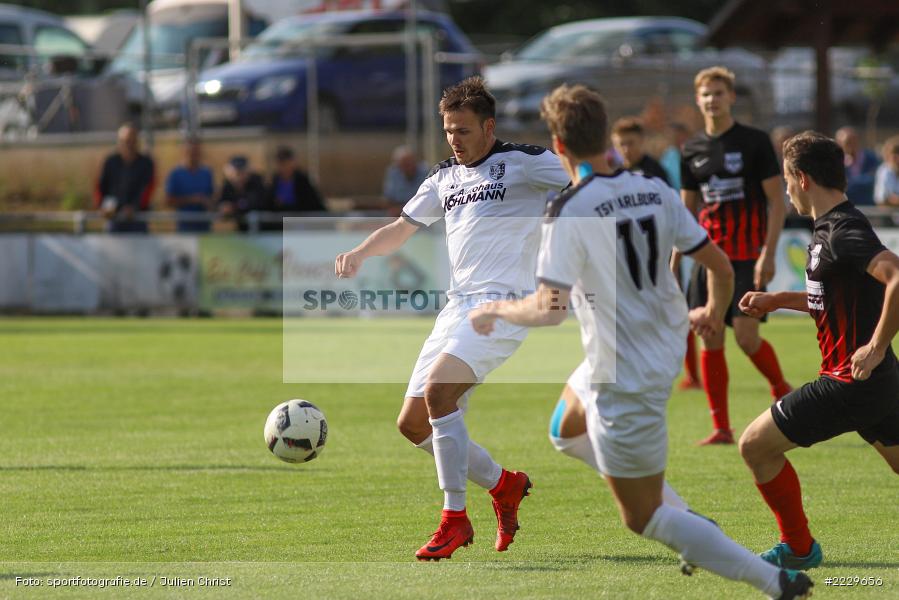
(588, 557)
(143, 327)
(860, 564)
(114, 468)
(536, 567)
(4, 576)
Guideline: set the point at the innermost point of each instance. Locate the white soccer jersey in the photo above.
(493, 211)
(619, 230)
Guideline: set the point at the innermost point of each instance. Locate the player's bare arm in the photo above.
(709, 319)
(765, 265)
(884, 268)
(758, 304)
(690, 198)
(546, 306)
(385, 240)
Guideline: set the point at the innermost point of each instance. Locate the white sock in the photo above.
(706, 546)
(451, 455)
(579, 447)
(482, 469)
(672, 498)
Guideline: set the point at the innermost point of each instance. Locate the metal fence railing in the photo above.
(88, 221)
(85, 221)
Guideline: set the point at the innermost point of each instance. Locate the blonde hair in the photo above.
(576, 115)
(891, 146)
(722, 74)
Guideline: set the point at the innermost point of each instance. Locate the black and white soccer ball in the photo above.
(296, 431)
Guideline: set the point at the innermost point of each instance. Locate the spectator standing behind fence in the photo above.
(291, 189)
(628, 138)
(670, 159)
(126, 184)
(403, 176)
(189, 188)
(886, 181)
(861, 164)
(243, 192)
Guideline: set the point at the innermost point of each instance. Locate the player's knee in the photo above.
(747, 341)
(438, 397)
(414, 430)
(750, 446)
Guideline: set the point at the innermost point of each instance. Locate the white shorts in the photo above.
(628, 432)
(453, 334)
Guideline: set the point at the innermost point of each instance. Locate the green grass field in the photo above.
(134, 448)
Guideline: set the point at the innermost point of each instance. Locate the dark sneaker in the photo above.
(794, 585)
(782, 556)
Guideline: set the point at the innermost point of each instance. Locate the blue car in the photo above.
(358, 87)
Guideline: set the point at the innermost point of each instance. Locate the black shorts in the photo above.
(826, 408)
(698, 292)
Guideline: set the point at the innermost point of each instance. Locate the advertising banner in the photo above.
(294, 273)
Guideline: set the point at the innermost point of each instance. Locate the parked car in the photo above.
(47, 78)
(857, 79)
(40, 35)
(358, 87)
(173, 25)
(628, 60)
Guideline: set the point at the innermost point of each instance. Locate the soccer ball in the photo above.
(296, 431)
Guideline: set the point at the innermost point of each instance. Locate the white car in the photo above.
(630, 61)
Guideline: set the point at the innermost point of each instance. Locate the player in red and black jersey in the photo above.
(852, 291)
(731, 180)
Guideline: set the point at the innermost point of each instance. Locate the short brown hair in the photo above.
(577, 116)
(722, 74)
(818, 156)
(628, 125)
(470, 93)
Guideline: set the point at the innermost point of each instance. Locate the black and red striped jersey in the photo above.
(727, 171)
(843, 298)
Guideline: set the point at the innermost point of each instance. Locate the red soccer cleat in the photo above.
(719, 436)
(688, 383)
(513, 486)
(455, 530)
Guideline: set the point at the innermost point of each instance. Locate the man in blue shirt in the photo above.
(403, 176)
(189, 188)
(886, 181)
(861, 164)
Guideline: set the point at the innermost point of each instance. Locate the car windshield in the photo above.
(286, 38)
(560, 45)
(169, 43)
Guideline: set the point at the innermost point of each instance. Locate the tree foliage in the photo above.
(80, 7)
(528, 17)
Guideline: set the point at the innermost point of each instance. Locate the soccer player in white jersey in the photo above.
(581, 255)
(491, 195)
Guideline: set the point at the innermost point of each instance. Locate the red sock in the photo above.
(714, 380)
(453, 514)
(499, 484)
(765, 360)
(784, 498)
(690, 359)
